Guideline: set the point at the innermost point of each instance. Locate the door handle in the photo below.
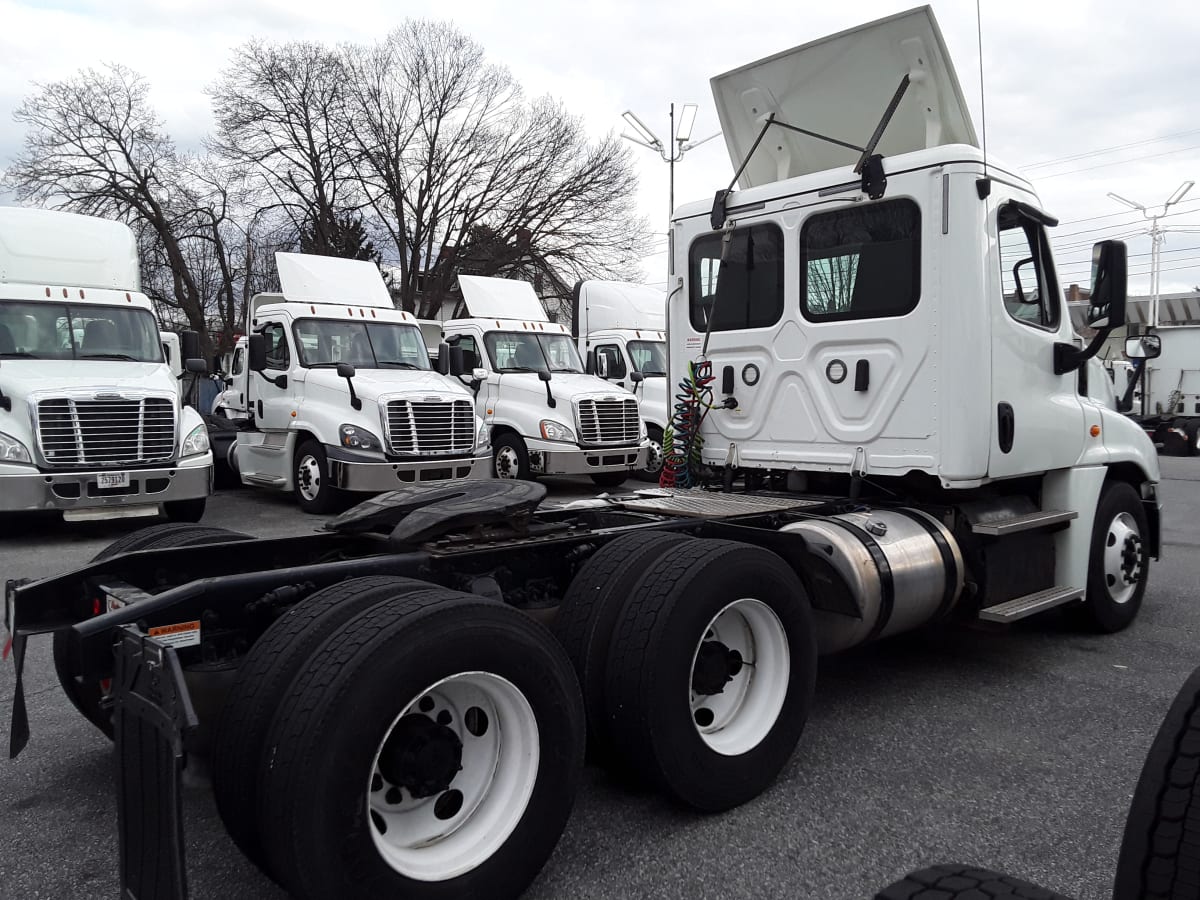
(1006, 426)
(862, 375)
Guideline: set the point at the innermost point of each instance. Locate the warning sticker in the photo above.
(693, 343)
(184, 634)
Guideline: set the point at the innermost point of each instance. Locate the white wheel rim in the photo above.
(507, 463)
(499, 767)
(739, 717)
(1122, 558)
(308, 477)
(654, 461)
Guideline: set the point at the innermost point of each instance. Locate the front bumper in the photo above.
(32, 491)
(375, 477)
(552, 458)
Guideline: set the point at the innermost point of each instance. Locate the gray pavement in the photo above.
(1016, 750)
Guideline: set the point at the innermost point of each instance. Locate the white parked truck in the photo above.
(547, 416)
(90, 417)
(337, 394)
(885, 401)
(620, 329)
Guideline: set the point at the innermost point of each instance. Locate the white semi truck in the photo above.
(547, 416)
(90, 417)
(883, 423)
(336, 394)
(620, 329)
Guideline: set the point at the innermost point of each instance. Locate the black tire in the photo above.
(262, 681)
(951, 882)
(87, 696)
(310, 480)
(315, 771)
(654, 463)
(185, 510)
(1160, 852)
(510, 457)
(589, 611)
(650, 669)
(1192, 430)
(1100, 611)
(611, 479)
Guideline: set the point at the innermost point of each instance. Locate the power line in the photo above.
(1123, 212)
(1104, 150)
(1121, 162)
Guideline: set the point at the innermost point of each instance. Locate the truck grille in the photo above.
(608, 421)
(430, 427)
(108, 432)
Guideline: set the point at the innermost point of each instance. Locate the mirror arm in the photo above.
(1068, 357)
(1125, 403)
(355, 402)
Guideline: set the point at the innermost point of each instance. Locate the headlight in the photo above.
(355, 438)
(12, 450)
(556, 431)
(196, 442)
(483, 439)
(642, 432)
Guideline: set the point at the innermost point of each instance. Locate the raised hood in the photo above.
(501, 298)
(324, 279)
(610, 305)
(840, 86)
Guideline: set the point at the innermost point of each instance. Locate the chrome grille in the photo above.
(430, 427)
(106, 432)
(608, 421)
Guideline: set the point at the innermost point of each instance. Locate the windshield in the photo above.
(45, 330)
(516, 351)
(649, 357)
(365, 345)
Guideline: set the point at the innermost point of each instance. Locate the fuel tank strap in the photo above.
(949, 565)
(887, 587)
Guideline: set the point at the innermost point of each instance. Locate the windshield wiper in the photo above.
(518, 369)
(121, 356)
(400, 365)
(18, 354)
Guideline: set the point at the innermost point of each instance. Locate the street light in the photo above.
(681, 143)
(1158, 235)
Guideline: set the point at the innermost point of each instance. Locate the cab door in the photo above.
(274, 401)
(1038, 421)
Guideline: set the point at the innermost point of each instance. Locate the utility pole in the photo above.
(1158, 235)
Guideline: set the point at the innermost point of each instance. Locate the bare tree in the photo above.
(94, 145)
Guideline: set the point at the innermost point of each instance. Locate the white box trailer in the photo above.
(885, 421)
(620, 329)
(1161, 385)
(90, 417)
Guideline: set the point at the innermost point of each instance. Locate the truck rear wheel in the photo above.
(1160, 851)
(314, 491)
(262, 681)
(510, 457)
(1119, 563)
(654, 462)
(711, 672)
(88, 696)
(431, 748)
(590, 609)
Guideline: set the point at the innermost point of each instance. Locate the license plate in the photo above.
(112, 480)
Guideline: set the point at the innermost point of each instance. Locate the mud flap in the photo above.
(152, 713)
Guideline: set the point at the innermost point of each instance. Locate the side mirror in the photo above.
(458, 365)
(479, 374)
(443, 358)
(1143, 346)
(544, 375)
(637, 377)
(590, 366)
(196, 366)
(257, 348)
(1109, 285)
(345, 370)
(189, 345)
(602, 365)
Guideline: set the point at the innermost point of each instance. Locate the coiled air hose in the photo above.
(683, 441)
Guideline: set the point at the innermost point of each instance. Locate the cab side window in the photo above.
(470, 350)
(614, 362)
(239, 356)
(275, 336)
(1027, 278)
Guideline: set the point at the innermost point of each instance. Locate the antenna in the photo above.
(982, 103)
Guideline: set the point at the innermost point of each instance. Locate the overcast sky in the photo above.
(1064, 78)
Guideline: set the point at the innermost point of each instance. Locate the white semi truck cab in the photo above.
(620, 329)
(340, 396)
(547, 416)
(90, 417)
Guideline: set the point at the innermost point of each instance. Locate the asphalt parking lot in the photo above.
(1016, 750)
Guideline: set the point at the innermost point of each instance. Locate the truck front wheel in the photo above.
(430, 748)
(314, 491)
(654, 462)
(1119, 564)
(185, 510)
(510, 457)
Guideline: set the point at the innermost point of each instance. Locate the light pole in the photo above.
(679, 143)
(1158, 234)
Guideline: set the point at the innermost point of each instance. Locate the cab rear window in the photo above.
(744, 290)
